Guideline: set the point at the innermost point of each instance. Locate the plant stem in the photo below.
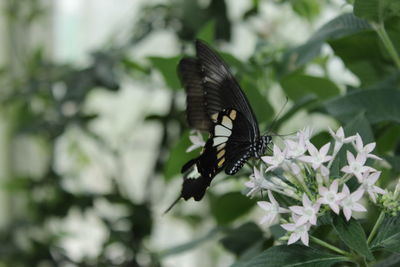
(380, 29)
(376, 227)
(329, 246)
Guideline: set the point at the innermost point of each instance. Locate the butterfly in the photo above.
(216, 104)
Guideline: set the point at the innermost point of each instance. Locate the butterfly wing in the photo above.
(226, 148)
(211, 88)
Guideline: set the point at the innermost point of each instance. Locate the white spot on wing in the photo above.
(222, 131)
(227, 122)
(219, 140)
(194, 173)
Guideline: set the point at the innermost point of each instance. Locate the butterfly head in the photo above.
(262, 144)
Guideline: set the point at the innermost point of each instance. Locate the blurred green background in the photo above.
(93, 132)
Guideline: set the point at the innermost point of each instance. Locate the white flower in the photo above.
(304, 134)
(349, 202)
(295, 149)
(257, 183)
(356, 165)
(340, 139)
(272, 208)
(369, 180)
(307, 213)
(331, 196)
(297, 232)
(317, 158)
(197, 141)
(276, 159)
(367, 149)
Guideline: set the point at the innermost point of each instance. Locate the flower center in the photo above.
(330, 197)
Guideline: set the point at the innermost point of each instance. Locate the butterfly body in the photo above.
(216, 104)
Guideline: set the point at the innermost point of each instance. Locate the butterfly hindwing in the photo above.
(227, 147)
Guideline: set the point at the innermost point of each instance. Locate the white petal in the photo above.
(358, 207)
(304, 238)
(324, 150)
(293, 238)
(334, 186)
(347, 213)
(357, 194)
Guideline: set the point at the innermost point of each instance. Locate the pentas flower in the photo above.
(273, 210)
(297, 232)
(197, 141)
(356, 165)
(369, 180)
(299, 168)
(257, 183)
(365, 150)
(318, 157)
(349, 202)
(295, 149)
(340, 139)
(276, 160)
(331, 196)
(306, 213)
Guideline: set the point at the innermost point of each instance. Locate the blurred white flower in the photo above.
(257, 183)
(317, 158)
(349, 202)
(276, 159)
(197, 141)
(331, 196)
(369, 180)
(340, 139)
(356, 165)
(273, 210)
(304, 134)
(307, 213)
(365, 150)
(297, 232)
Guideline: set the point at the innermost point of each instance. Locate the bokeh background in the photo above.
(92, 124)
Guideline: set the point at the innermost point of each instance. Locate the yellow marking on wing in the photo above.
(232, 114)
(221, 162)
(214, 117)
(221, 146)
(220, 154)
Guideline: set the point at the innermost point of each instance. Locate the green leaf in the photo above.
(376, 10)
(379, 105)
(388, 236)
(167, 67)
(258, 102)
(230, 206)
(363, 54)
(178, 157)
(392, 261)
(213, 234)
(353, 235)
(343, 25)
(207, 33)
(293, 255)
(394, 161)
(297, 85)
(308, 9)
(240, 239)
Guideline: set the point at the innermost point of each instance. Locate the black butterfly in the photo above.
(216, 104)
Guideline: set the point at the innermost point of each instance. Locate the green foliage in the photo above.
(376, 10)
(228, 207)
(388, 237)
(353, 235)
(298, 85)
(167, 68)
(379, 105)
(293, 255)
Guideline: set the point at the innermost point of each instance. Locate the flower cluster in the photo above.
(302, 172)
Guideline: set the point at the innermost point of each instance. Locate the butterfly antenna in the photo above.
(172, 205)
(277, 116)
